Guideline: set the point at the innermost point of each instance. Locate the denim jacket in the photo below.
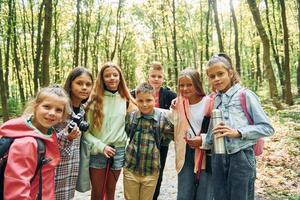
(233, 116)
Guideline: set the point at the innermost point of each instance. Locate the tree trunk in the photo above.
(174, 42)
(117, 33)
(16, 56)
(274, 49)
(298, 68)
(207, 30)
(46, 43)
(56, 45)
(286, 66)
(77, 35)
(266, 54)
(8, 41)
(4, 104)
(236, 39)
(36, 73)
(214, 5)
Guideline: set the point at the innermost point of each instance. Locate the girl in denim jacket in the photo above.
(233, 173)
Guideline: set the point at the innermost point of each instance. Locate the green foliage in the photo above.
(15, 108)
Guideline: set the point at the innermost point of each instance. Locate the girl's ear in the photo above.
(230, 73)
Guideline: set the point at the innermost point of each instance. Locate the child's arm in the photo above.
(96, 145)
(64, 143)
(168, 128)
(20, 168)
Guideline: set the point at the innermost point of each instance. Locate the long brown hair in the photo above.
(97, 95)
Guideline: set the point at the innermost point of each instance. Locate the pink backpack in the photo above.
(259, 146)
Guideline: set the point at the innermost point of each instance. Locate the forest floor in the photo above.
(278, 168)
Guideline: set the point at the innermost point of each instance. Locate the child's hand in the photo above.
(194, 142)
(173, 103)
(74, 133)
(109, 151)
(222, 130)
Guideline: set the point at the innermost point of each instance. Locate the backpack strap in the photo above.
(41, 151)
(244, 105)
(158, 128)
(132, 125)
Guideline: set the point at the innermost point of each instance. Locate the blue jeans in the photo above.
(233, 175)
(187, 188)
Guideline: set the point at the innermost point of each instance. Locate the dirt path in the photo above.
(278, 168)
(169, 184)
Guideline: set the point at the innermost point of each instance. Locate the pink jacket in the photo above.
(22, 162)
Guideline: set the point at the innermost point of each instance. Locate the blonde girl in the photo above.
(190, 109)
(50, 106)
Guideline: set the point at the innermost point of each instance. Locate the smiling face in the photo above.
(156, 78)
(81, 88)
(145, 102)
(48, 113)
(186, 87)
(219, 77)
(111, 78)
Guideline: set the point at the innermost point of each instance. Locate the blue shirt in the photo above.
(233, 116)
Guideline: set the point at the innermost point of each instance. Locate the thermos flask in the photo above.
(219, 143)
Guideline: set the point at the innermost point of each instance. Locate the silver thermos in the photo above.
(219, 143)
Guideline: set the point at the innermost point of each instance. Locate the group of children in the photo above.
(133, 134)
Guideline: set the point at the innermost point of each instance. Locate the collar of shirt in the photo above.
(231, 91)
(110, 94)
(154, 115)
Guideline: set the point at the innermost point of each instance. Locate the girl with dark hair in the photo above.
(78, 85)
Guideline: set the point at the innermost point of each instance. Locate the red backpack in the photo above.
(259, 146)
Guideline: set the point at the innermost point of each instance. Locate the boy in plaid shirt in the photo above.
(145, 128)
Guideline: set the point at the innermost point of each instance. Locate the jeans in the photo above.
(163, 157)
(187, 188)
(233, 175)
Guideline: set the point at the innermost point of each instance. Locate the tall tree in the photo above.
(274, 47)
(266, 54)
(4, 104)
(37, 59)
(8, 41)
(236, 39)
(117, 32)
(207, 32)
(216, 17)
(77, 35)
(286, 63)
(174, 40)
(298, 68)
(46, 42)
(15, 54)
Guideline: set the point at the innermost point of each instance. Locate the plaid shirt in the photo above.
(142, 153)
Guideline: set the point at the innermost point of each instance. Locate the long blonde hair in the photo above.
(97, 95)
